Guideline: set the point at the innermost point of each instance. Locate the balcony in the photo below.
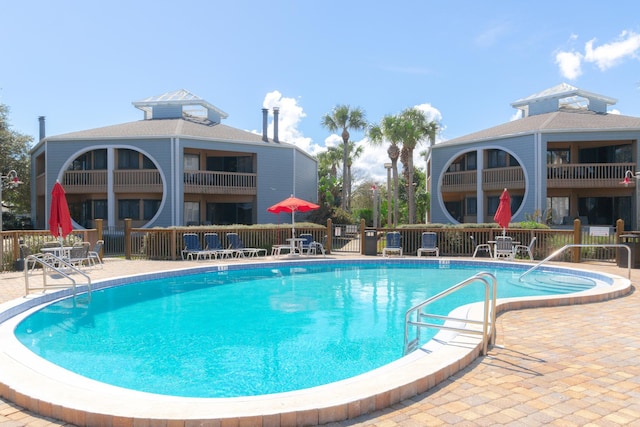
(81, 182)
(459, 181)
(137, 181)
(498, 178)
(589, 175)
(209, 182)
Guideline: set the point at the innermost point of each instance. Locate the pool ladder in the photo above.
(415, 317)
(57, 264)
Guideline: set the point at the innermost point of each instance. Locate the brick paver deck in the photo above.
(567, 366)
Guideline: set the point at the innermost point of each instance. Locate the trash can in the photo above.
(370, 242)
(633, 242)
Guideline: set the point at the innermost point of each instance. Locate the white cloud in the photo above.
(289, 119)
(605, 56)
(570, 64)
(610, 54)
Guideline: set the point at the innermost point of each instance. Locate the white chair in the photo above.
(482, 247)
(504, 247)
(94, 254)
(523, 249)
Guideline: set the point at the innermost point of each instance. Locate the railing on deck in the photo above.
(210, 182)
(588, 175)
(167, 243)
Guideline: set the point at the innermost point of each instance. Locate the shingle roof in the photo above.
(557, 121)
(166, 128)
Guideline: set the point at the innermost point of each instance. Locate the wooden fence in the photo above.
(167, 243)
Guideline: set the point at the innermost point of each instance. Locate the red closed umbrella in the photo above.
(59, 216)
(293, 205)
(503, 214)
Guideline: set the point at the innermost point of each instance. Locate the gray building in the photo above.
(179, 165)
(565, 158)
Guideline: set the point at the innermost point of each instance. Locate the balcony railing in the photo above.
(589, 175)
(137, 181)
(208, 182)
(498, 178)
(93, 181)
(580, 175)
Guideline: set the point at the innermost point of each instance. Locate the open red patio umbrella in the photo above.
(59, 217)
(293, 205)
(503, 214)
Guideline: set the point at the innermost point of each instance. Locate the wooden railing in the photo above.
(581, 175)
(589, 175)
(209, 182)
(93, 181)
(498, 178)
(137, 181)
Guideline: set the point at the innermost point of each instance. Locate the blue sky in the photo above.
(82, 64)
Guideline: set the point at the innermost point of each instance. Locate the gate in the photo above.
(345, 238)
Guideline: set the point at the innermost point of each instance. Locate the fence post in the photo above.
(174, 249)
(327, 247)
(362, 225)
(127, 238)
(577, 237)
(619, 229)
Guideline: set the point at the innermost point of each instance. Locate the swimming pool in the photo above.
(355, 386)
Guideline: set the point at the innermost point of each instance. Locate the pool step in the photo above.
(559, 284)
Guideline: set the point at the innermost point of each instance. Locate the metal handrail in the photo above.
(490, 284)
(52, 262)
(576, 245)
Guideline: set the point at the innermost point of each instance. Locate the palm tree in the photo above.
(414, 128)
(389, 130)
(345, 118)
(354, 151)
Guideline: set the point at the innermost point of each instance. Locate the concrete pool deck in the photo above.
(570, 365)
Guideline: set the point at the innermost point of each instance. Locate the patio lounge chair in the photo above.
(429, 244)
(79, 254)
(192, 248)
(504, 247)
(482, 247)
(528, 250)
(311, 246)
(235, 243)
(212, 244)
(394, 243)
(94, 254)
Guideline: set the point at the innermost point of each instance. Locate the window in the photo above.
(128, 208)
(147, 163)
(472, 205)
(100, 209)
(128, 159)
(191, 162)
(496, 158)
(150, 208)
(558, 209)
(191, 213)
(558, 157)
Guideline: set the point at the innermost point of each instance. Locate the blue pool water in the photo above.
(258, 330)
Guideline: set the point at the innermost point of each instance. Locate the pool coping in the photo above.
(51, 391)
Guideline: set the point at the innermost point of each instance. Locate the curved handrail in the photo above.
(51, 261)
(490, 284)
(576, 245)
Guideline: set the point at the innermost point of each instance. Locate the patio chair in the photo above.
(212, 244)
(311, 246)
(192, 249)
(235, 243)
(79, 254)
(504, 247)
(524, 249)
(94, 254)
(429, 244)
(481, 248)
(394, 243)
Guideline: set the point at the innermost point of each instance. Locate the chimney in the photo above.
(265, 114)
(276, 111)
(42, 132)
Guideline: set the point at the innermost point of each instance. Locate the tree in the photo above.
(414, 127)
(389, 130)
(14, 155)
(344, 118)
